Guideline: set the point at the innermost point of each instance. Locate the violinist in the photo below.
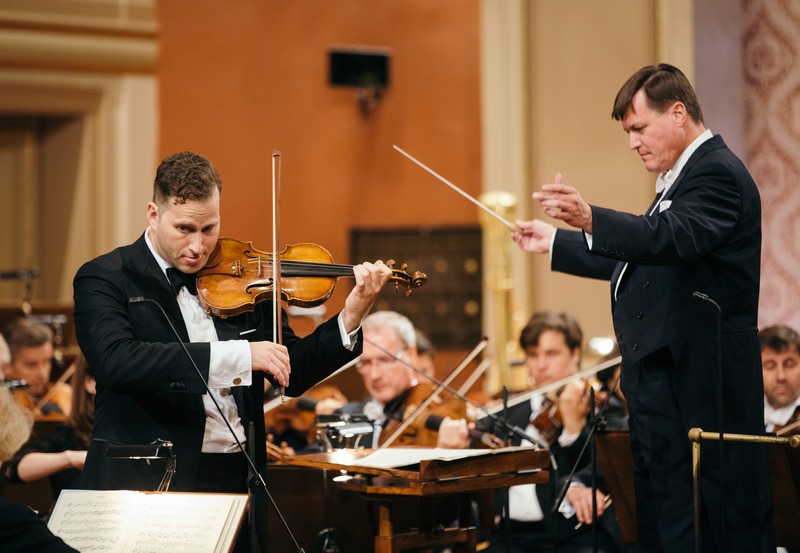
(130, 304)
(395, 390)
(552, 345)
(60, 454)
(780, 364)
(31, 348)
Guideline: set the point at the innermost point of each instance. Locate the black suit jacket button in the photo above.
(635, 347)
(646, 284)
(173, 385)
(639, 315)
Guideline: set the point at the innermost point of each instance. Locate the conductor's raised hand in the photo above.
(533, 236)
(271, 358)
(563, 202)
(370, 278)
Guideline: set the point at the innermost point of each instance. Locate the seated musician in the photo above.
(21, 530)
(59, 455)
(780, 362)
(395, 389)
(31, 346)
(552, 345)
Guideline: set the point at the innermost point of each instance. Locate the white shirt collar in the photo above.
(666, 179)
(160, 260)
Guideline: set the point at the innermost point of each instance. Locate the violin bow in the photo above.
(471, 379)
(582, 373)
(53, 389)
(435, 393)
(277, 322)
(459, 190)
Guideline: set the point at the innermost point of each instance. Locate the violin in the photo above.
(295, 420)
(53, 407)
(418, 433)
(237, 276)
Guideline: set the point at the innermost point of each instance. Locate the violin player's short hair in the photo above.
(779, 338)
(392, 319)
(541, 321)
(185, 176)
(22, 333)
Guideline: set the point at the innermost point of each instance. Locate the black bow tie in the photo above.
(178, 280)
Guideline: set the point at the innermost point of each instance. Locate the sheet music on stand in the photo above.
(121, 521)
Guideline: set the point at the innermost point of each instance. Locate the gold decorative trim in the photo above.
(56, 50)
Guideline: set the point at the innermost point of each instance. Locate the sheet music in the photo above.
(141, 522)
(394, 457)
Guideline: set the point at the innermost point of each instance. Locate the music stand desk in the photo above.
(428, 478)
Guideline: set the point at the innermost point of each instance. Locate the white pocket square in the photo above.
(663, 206)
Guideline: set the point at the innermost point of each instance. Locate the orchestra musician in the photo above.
(147, 386)
(395, 390)
(59, 455)
(552, 345)
(21, 530)
(31, 348)
(780, 365)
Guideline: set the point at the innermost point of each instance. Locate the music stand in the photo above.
(616, 464)
(159, 449)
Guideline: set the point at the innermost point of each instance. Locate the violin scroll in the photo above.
(400, 277)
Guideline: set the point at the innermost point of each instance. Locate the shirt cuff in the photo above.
(230, 365)
(350, 340)
(566, 440)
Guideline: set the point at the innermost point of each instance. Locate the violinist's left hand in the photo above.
(453, 434)
(573, 406)
(370, 278)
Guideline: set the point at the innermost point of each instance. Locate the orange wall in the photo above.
(241, 79)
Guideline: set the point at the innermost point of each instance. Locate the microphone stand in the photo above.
(257, 479)
(597, 423)
(706, 298)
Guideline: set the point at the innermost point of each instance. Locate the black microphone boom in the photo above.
(255, 471)
(27, 273)
(706, 298)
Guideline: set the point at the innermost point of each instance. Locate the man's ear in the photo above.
(152, 213)
(679, 114)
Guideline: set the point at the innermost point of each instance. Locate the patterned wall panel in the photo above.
(771, 48)
(448, 307)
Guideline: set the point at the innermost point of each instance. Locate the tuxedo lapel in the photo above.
(143, 269)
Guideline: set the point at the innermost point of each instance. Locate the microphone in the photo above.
(20, 274)
(13, 384)
(255, 471)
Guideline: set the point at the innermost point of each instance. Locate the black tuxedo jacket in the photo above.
(704, 236)
(147, 388)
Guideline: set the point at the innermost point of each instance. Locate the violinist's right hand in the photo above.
(327, 406)
(580, 497)
(271, 358)
(453, 434)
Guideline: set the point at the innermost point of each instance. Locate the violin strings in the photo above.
(308, 268)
